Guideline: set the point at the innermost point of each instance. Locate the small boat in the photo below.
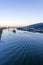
(14, 31)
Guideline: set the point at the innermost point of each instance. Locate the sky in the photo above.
(20, 12)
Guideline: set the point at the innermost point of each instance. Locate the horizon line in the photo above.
(17, 25)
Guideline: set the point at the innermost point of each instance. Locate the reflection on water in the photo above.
(21, 48)
(0, 34)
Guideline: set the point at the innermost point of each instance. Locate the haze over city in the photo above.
(20, 12)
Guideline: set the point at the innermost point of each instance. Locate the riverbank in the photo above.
(31, 30)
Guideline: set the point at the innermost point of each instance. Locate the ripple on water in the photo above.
(21, 49)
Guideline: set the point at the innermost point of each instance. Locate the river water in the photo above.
(21, 48)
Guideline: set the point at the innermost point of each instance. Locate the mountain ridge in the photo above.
(33, 28)
(38, 25)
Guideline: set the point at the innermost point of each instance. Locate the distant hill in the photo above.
(38, 25)
(33, 28)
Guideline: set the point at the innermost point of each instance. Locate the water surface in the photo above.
(21, 48)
